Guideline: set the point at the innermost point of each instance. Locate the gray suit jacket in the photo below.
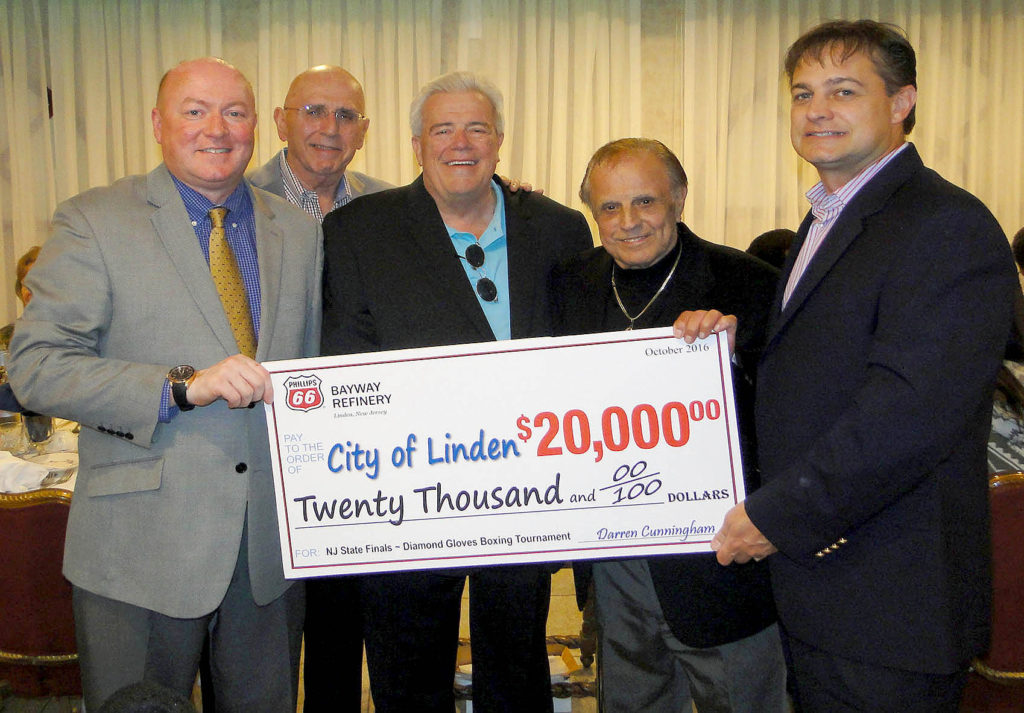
(122, 293)
(269, 178)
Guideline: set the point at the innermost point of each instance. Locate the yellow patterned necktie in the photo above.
(230, 286)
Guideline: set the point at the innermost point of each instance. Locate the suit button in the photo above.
(241, 468)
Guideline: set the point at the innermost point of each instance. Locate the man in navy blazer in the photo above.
(874, 396)
(452, 258)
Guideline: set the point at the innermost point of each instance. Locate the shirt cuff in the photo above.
(167, 410)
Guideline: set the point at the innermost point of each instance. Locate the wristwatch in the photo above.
(180, 377)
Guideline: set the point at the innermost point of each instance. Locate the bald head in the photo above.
(183, 69)
(320, 144)
(204, 121)
(325, 76)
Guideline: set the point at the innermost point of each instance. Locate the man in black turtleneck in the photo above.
(679, 627)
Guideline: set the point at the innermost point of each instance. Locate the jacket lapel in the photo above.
(691, 281)
(439, 262)
(174, 228)
(270, 256)
(787, 270)
(356, 185)
(850, 224)
(589, 312)
(524, 265)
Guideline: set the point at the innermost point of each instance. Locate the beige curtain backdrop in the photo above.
(702, 76)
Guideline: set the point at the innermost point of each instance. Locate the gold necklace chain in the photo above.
(615, 291)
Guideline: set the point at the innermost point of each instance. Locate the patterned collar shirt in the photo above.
(306, 199)
(240, 232)
(826, 208)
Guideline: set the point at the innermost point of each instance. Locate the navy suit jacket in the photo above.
(8, 402)
(873, 410)
(705, 604)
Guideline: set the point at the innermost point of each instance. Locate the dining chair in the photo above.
(996, 681)
(37, 634)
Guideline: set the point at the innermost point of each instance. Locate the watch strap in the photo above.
(179, 378)
(178, 391)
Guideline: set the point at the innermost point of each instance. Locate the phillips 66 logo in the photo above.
(304, 392)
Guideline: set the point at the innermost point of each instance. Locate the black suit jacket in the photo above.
(705, 604)
(393, 279)
(873, 409)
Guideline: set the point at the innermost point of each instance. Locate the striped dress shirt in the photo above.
(826, 208)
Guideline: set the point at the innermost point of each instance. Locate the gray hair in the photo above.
(457, 82)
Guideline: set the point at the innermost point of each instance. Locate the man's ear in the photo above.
(155, 115)
(902, 102)
(282, 127)
(680, 199)
(417, 149)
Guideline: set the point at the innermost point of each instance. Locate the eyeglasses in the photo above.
(319, 112)
(484, 286)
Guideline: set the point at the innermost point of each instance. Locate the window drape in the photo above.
(703, 76)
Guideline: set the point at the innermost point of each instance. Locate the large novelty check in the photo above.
(536, 450)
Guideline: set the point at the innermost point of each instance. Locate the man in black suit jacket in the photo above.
(874, 396)
(396, 280)
(674, 628)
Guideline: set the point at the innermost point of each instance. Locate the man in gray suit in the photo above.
(324, 124)
(172, 535)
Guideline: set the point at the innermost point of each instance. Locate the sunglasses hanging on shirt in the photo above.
(484, 286)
